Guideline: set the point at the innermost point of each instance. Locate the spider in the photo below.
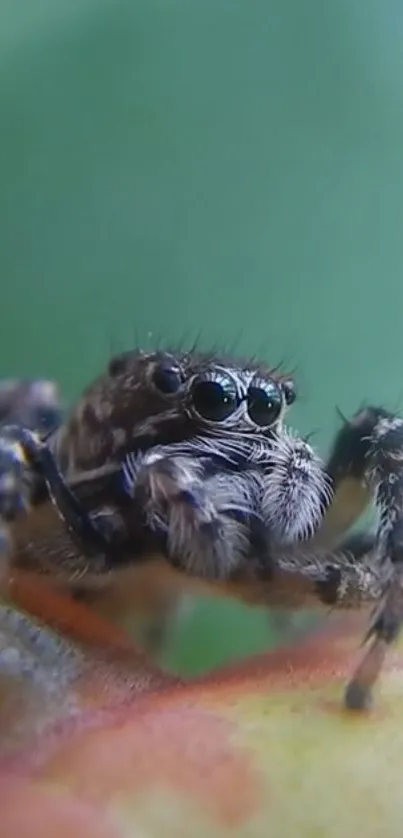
(186, 455)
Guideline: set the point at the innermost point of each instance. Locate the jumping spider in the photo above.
(187, 455)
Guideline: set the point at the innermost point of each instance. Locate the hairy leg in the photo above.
(347, 468)
(383, 473)
(177, 494)
(208, 512)
(28, 478)
(366, 467)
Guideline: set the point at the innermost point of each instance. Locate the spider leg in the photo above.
(15, 488)
(203, 517)
(209, 530)
(383, 474)
(80, 525)
(365, 465)
(347, 467)
(214, 524)
(29, 475)
(298, 580)
(34, 404)
(305, 578)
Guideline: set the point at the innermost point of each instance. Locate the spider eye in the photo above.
(288, 388)
(265, 403)
(167, 378)
(214, 398)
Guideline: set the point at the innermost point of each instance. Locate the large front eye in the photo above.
(167, 377)
(214, 397)
(265, 403)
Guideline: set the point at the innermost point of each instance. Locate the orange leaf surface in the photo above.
(98, 745)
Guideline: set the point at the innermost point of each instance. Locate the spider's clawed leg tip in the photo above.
(357, 697)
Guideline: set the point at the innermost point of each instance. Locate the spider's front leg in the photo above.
(18, 484)
(29, 476)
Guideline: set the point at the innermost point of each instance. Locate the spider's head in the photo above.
(158, 398)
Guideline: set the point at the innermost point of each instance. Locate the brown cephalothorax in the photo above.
(141, 401)
(183, 460)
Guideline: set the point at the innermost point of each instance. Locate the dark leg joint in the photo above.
(328, 588)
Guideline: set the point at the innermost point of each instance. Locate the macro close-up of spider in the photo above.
(201, 419)
(187, 457)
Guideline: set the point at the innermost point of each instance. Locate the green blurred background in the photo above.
(226, 169)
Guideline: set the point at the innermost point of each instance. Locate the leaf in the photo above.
(97, 745)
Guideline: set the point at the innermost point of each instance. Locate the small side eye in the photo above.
(214, 397)
(167, 378)
(289, 390)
